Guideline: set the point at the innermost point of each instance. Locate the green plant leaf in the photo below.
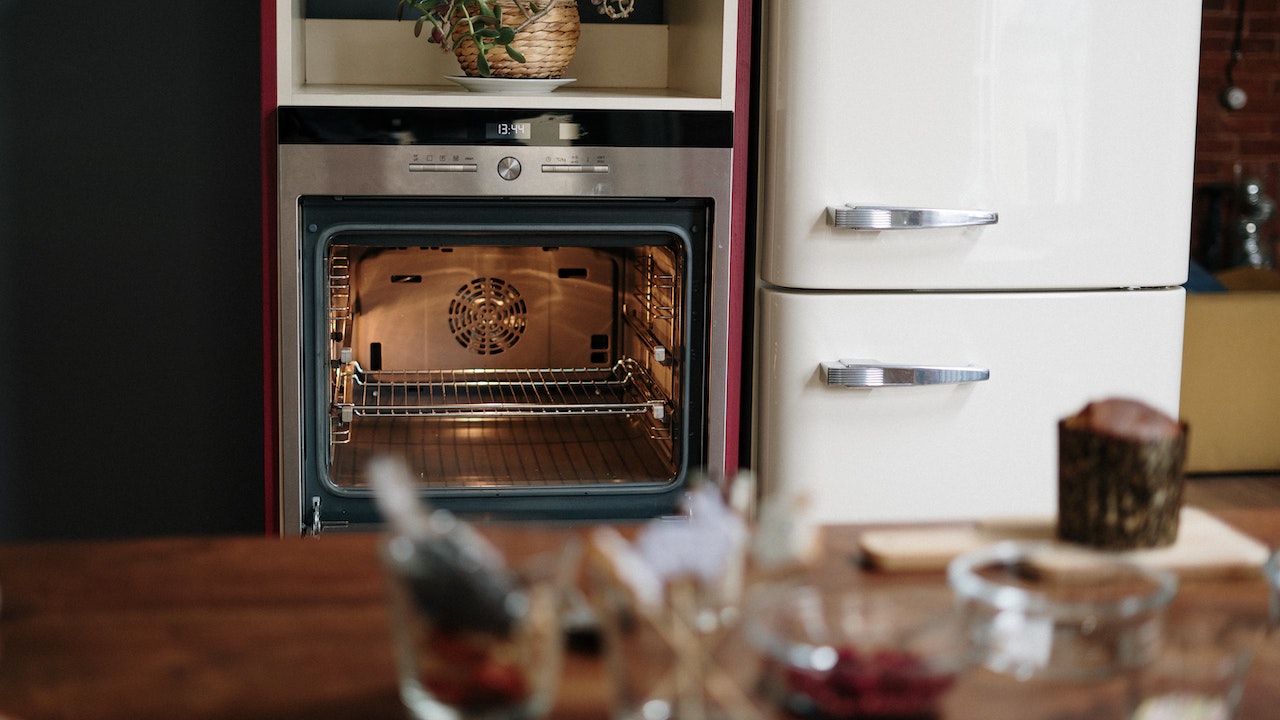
(515, 54)
(489, 34)
(482, 65)
(505, 35)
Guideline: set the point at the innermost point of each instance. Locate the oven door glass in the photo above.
(528, 357)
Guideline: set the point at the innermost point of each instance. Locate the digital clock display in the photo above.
(508, 131)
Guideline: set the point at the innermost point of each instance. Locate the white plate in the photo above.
(509, 86)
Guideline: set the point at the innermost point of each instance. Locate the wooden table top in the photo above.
(245, 628)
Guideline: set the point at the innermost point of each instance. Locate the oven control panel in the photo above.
(508, 168)
(516, 151)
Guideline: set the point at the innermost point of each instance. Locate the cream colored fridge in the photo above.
(974, 220)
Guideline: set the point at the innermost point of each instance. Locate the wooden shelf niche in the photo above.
(688, 63)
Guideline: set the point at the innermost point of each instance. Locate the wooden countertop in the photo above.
(245, 628)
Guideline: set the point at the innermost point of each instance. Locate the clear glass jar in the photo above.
(1057, 632)
(455, 660)
(836, 652)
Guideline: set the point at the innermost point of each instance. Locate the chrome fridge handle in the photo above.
(872, 374)
(885, 217)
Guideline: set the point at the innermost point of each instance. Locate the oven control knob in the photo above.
(509, 168)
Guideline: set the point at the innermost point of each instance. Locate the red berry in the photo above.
(886, 684)
(500, 683)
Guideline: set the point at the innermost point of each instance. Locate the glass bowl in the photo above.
(890, 651)
(1040, 610)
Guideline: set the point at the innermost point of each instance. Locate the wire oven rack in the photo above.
(623, 389)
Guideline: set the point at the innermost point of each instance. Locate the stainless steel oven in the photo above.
(531, 308)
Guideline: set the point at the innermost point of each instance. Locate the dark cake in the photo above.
(1120, 475)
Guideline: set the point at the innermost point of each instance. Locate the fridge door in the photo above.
(958, 446)
(1064, 132)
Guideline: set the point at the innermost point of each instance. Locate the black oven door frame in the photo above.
(589, 222)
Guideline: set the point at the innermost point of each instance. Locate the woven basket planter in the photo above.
(548, 44)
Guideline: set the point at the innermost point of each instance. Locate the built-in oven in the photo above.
(532, 309)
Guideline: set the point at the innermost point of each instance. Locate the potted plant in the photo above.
(511, 38)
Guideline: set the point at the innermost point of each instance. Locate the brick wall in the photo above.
(1249, 138)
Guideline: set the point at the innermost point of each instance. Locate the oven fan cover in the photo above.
(487, 316)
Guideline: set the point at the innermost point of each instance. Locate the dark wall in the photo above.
(130, 278)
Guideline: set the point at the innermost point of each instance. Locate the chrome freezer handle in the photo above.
(872, 374)
(884, 217)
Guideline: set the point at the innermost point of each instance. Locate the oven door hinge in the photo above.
(317, 525)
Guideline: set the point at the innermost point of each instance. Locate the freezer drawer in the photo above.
(1070, 125)
(965, 448)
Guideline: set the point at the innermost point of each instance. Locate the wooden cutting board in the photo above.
(1206, 547)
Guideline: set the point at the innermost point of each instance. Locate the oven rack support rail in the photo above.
(623, 389)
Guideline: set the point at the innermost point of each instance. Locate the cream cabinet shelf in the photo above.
(687, 64)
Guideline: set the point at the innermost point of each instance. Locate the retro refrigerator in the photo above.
(974, 219)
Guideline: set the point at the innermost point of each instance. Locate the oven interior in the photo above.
(526, 357)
